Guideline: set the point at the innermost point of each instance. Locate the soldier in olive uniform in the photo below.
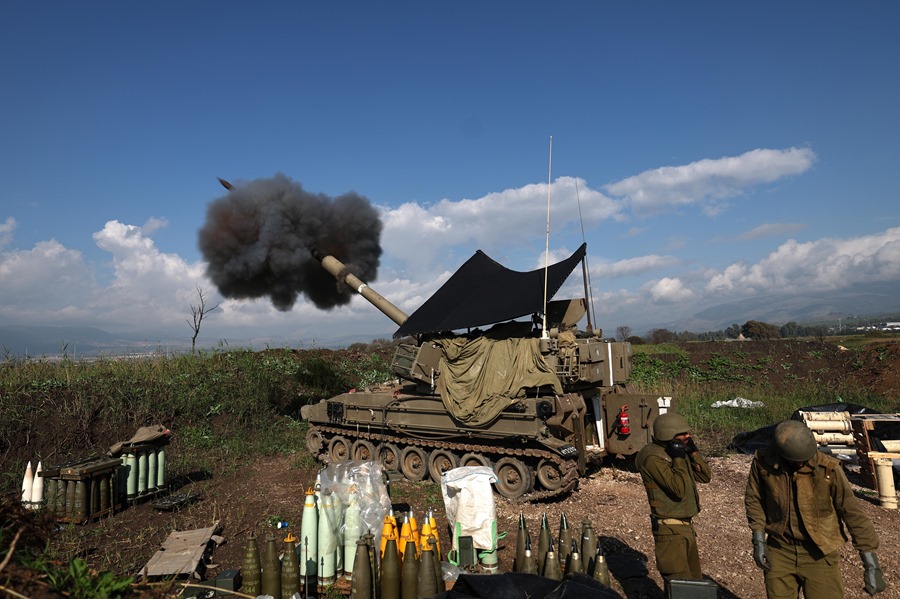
(801, 499)
(670, 468)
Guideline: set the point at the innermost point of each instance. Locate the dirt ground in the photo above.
(257, 495)
(612, 499)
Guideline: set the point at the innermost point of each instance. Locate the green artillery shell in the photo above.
(409, 573)
(601, 569)
(574, 564)
(361, 581)
(390, 571)
(271, 568)
(543, 541)
(290, 569)
(588, 544)
(521, 535)
(250, 571)
(80, 510)
(551, 565)
(530, 565)
(425, 580)
(161, 467)
(565, 539)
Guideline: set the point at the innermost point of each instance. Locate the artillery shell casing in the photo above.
(142, 472)
(104, 491)
(80, 509)
(131, 467)
(250, 570)
(161, 467)
(94, 505)
(409, 573)
(151, 469)
(271, 569)
(70, 498)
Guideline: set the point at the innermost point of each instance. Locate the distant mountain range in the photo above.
(876, 300)
(873, 299)
(75, 341)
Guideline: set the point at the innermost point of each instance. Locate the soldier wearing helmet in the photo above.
(670, 468)
(798, 503)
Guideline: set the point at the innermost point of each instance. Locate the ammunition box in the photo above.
(683, 588)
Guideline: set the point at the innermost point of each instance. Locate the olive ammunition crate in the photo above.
(84, 490)
(689, 588)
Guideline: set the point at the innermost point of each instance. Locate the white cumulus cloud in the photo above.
(669, 290)
(7, 229)
(709, 182)
(824, 264)
(421, 236)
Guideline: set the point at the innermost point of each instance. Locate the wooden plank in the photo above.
(884, 454)
(181, 553)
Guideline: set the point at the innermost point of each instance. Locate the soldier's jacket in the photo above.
(824, 500)
(670, 483)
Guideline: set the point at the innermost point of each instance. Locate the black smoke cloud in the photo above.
(257, 242)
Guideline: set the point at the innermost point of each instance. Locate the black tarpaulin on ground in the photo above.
(483, 292)
(527, 586)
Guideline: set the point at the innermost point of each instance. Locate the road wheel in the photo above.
(314, 441)
(339, 449)
(362, 450)
(389, 455)
(549, 474)
(439, 462)
(413, 463)
(514, 478)
(475, 459)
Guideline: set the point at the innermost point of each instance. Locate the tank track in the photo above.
(568, 468)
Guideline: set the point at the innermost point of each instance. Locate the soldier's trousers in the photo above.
(793, 568)
(676, 551)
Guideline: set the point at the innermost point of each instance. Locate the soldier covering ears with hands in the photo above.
(670, 468)
(798, 503)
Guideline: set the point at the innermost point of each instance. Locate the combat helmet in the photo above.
(667, 425)
(794, 441)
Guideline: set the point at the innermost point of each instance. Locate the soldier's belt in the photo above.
(673, 521)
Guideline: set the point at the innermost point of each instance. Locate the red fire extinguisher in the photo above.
(624, 425)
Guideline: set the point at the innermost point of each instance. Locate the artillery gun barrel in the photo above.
(340, 272)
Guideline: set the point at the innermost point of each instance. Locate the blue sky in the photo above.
(718, 151)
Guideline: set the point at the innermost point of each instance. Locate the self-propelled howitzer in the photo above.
(536, 404)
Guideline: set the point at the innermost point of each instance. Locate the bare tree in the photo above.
(197, 314)
(623, 332)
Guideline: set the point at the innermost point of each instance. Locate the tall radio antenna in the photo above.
(588, 288)
(544, 333)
